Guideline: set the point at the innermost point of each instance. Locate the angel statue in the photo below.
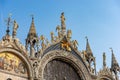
(75, 44)
(69, 34)
(47, 42)
(52, 37)
(42, 38)
(58, 28)
(15, 27)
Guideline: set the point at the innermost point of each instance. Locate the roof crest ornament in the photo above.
(8, 23)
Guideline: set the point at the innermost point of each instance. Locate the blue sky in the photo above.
(97, 19)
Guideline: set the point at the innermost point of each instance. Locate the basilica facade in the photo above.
(58, 59)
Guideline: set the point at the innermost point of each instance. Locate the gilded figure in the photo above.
(65, 45)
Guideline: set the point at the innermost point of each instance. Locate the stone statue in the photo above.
(75, 44)
(42, 38)
(35, 69)
(63, 26)
(15, 27)
(84, 54)
(62, 18)
(56, 39)
(58, 28)
(52, 37)
(47, 42)
(43, 45)
(69, 34)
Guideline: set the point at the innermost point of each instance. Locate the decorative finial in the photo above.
(32, 30)
(9, 21)
(86, 38)
(58, 28)
(111, 49)
(104, 60)
(32, 17)
(114, 65)
(88, 48)
(42, 38)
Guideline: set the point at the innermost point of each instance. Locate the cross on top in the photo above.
(8, 23)
(32, 16)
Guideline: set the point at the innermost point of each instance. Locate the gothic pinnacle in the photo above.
(32, 39)
(88, 49)
(114, 65)
(114, 61)
(104, 60)
(32, 31)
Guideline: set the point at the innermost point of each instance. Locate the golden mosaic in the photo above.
(11, 62)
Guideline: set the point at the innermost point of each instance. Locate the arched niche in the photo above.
(65, 58)
(14, 64)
